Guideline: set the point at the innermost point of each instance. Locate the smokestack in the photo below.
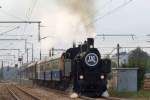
(74, 44)
(90, 42)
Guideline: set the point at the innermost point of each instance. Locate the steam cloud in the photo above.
(67, 21)
(84, 9)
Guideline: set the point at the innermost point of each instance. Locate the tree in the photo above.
(139, 58)
(113, 64)
(148, 66)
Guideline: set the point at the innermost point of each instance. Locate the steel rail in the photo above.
(13, 94)
(66, 94)
(29, 94)
(101, 98)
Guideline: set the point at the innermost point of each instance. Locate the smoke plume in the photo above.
(66, 21)
(84, 9)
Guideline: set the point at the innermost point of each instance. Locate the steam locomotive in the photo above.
(79, 67)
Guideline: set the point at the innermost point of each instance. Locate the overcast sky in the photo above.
(64, 27)
(130, 19)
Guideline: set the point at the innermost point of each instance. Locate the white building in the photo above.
(123, 58)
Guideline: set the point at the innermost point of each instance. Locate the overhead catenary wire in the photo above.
(7, 26)
(31, 9)
(128, 47)
(15, 22)
(107, 3)
(2, 33)
(110, 12)
(115, 35)
(20, 35)
(30, 14)
(101, 8)
(103, 35)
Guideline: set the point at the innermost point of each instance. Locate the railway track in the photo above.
(80, 97)
(62, 93)
(42, 93)
(52, 94)
(101, 98)
(20, 94)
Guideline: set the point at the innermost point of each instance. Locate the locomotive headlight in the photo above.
(81, 77)
(102, 77)
(91, 46)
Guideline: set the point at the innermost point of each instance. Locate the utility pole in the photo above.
(25, 45)
(2, 71)
(118, 47)
(40, 54)
(39, 36)
(14, 57)
(27, 55)
(32, 53)
(52, 51)
(29, 22)
(39, 32)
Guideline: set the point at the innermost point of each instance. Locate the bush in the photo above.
(140, 80)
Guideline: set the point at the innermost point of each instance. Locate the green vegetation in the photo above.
(140, 59)
(1, 73)
(139, 94)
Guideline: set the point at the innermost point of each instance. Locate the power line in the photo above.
(8, 55)
(30, 22)
(14, 39)
(2, 33)
(112, 50)
(110, 12)
(10, 49)
(32, 8)
(101, 7)
(108, 2)
(20, 35)
(115, 35)
(132, 35)
(7, 26)
(30, 14)
(25, 40)
(128, 47)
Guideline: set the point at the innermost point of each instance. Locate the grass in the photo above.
(139, 94)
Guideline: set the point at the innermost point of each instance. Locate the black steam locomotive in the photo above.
(79, 67)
